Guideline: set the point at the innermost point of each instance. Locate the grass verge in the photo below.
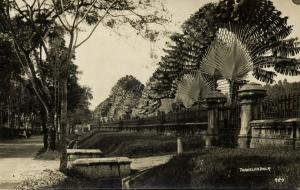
(219, 168)
(138, 145)
(43, 154)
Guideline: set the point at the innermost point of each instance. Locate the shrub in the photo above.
(8, 133)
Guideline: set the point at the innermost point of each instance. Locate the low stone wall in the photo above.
(275, 132)
(74, 154)
(103, 168)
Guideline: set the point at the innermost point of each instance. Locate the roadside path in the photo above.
(17, 163)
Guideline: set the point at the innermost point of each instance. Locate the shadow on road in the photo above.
(20, 148)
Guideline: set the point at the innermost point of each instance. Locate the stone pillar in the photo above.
(250, 95)
(179, 145)
(214, 101)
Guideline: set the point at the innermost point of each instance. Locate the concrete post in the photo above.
(179, 145)
(249, 95)
(214, 101)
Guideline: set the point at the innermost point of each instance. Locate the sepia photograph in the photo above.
(149, 94)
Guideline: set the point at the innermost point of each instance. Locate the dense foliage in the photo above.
(146, 105)
(19, 104)
(227, 40)
(282, 89)
(123, 98)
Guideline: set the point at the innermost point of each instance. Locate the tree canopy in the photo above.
(227, 40)
(123, 98)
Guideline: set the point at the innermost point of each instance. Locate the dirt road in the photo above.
(17, 163)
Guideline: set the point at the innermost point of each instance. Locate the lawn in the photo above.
(219, 168)
(138, 145)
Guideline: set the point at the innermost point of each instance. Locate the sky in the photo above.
(107, 56)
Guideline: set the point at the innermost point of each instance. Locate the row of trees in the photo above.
(19, 104)
(219, 46)
(124, 96)
(44, 37)
(282, 89)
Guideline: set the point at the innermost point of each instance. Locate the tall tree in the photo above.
(9, 73)
(40, 15)
(147, 105)
(228, 39)
(26, 46)
(79, 113)
(124, 96)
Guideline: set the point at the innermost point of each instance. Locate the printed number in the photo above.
(279, 180)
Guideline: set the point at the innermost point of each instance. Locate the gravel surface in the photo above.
(45, 179)
(17, 162)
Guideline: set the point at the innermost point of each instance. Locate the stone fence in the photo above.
(251, 122)
(275, 132)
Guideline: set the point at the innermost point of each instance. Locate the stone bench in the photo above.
(74, 154)
(95, 168)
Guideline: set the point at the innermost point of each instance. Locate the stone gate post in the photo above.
(214, 100)
(249, 95)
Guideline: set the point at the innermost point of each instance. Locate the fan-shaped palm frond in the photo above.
(192, 88)
(237, 50)
(166, 105)
(229, 58)
(226, 41)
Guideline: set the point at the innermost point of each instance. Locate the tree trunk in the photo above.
(52, 132)
(58, 127)
(8, 113)
(1, 116)
(52, 139)
(56, 106)
(45, 129)
(64, 122)
(48, 129)
(64, 104)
